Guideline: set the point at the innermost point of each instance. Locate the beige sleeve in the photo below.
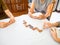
(4, 5)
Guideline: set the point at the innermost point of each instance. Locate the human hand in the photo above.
(32, 16)
(41, 17)
(53, 32)
(47, 25)
(3, 24)
(12, 20)
(31, 10)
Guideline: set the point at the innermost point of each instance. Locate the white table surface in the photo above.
(18, 34)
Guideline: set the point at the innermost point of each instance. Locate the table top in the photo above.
(18, 34)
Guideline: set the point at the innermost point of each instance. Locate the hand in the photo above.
(12, 20)
(53, 32)
(3, 24)
(47, 25)
(41, 17)
(35, 17)
(31, 10)
(30, 14)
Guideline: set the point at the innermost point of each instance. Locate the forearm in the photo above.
(8, 13)
(55, 24)
(57, 39)
(49, 10)
(32, 8)
(32, 16)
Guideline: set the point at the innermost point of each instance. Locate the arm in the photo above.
(50, 9)
(49, 25)
(54, 35)
(8, 13)
(32, 8)
(48, 12)
(12, 20)
(31, 11)
(57, 39)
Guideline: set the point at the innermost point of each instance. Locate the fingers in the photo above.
(53, 30)
(12, 20)
(31, 10)
(3, 24)
(45, 25)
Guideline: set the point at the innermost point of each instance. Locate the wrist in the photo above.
(44, 17)
(12, 17)
(11, 21)
(54, 24)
